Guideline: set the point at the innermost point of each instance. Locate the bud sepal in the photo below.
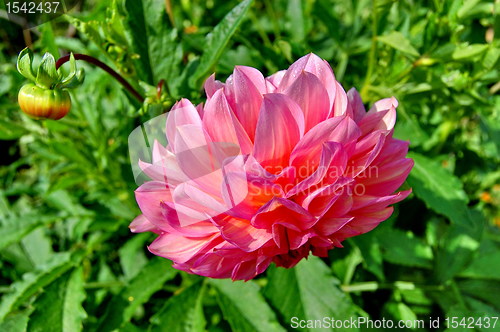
(46, 97)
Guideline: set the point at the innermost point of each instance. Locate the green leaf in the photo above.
(17, 322)
(475, 7)
(182, 312)
(37, 245)
(296, 22)
(32, 282)
(487, 257)
(440, 190)
(123, 305)
(47, 74)
(47, 39)
(468, 51)
(10, 130)
(403, 248)
(371, 252)
(399, 42)
(15, 228)
(217, 40)
(60, 305)
(132, 258)
(244, 307)
(308, 292)
(136, 21)
(152, 38)
(400, 311)
(491, 57)
(25, 64)
(455, 251)
(484, 290)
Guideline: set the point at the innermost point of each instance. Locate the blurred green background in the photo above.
(67, 259)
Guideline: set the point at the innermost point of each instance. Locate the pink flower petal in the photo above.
(280, 127)
(211, 86)
(181, 249)
(149, 196)
(242, 234)
(285, 212)
(356, 104)
(386, 180)
(382, 116)
(308, 92)
(221, 123)
(273, 81)
(182, 113)
(314, 65)
(244, 90)
(141, 224)
(332, 165)
(340, 104)
(308, 151)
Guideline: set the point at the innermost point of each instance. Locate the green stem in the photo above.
(371, 286)
(104, 67)
(373, 51)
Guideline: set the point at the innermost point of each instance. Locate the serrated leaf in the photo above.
(60, 305)
(483, 265)
(399, 42)
(308, 291)
(440, 190)
(244, 307)
(90, 29)
(47, 74)
(217, 40)
(152, 38)
(17, 322)
(468, 51)
(24, 64)
(33, 282)
(182, 312)
(123, 305)
(403, 248)
(138, 35)
(15, 228)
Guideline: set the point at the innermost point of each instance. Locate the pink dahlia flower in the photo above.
(270, 170)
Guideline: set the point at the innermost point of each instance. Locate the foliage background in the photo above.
(67, 259)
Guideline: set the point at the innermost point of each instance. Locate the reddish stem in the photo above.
(159, 88)
(104, 67)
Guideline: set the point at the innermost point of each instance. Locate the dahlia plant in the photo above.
(270, 170)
